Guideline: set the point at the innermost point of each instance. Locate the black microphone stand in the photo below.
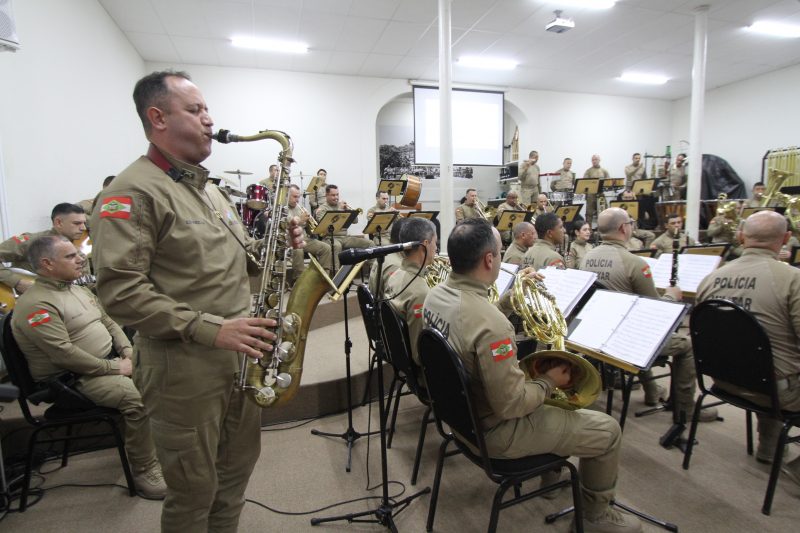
(350, 435)
(374, 360)
(384, 514)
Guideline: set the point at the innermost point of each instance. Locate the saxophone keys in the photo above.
(285, 351)
(284, 380)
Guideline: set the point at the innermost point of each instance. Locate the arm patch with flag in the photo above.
(417, 311)
(502, 350)
(646, 271)
(116, 207)
(37, 318)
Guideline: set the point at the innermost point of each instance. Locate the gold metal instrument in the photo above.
(729, 211)
(488, 213)
(542, 320)
(437, 272)
(275, 378)
(311, 223)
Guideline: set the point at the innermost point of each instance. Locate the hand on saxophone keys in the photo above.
(246, 335)
(295, 232)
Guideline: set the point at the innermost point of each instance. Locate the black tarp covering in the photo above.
(719, 177)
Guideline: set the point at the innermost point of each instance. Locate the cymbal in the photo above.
(234, 192)
(239, 172)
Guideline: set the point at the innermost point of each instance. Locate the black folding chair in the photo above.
(448, 384)
(398, 346)
(731, 347)
(70, 408)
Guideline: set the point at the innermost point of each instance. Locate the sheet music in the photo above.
(600, 317)
(640, 334)
(506, 277)
(567, 286)
(692, 269)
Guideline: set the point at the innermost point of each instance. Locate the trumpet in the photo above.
(311, 223)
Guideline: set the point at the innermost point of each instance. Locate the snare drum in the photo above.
(246, 214)
(256, 196)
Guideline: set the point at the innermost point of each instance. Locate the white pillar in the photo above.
(446, 207)
(696, 121)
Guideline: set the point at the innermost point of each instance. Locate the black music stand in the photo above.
(629, 206)
(610, 184)
(794, 256)
(587, 186)
(379, 222)
(568, 213)
(329, 224)
(508, 219)
(384, 514)
(393, 188)
(643, 187)
(429, 215)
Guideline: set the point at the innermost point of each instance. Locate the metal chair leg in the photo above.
(437, 479)
(777, 461)
(423, 428)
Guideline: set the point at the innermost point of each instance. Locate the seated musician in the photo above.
(758, 192)
(550, 232)
(722, 230)
(381, 206)
(61, 327)
(619, 270)
(524, 238)
(470, 208)
(317, 198)
(542, 205)
(391, 262)
(772, 296)
(319, 249)
(664, 241)
(566, 180)
(579, 244)
(269, 181)
(511, 204)
(342, 240)
(68, 220)
(511, 409)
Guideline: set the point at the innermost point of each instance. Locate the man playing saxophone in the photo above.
(319, 249)
(171, 263)
(511, 408)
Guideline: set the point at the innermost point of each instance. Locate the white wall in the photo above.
(66, 114)
(745, 119)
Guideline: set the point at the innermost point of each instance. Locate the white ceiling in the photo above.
(399, 39)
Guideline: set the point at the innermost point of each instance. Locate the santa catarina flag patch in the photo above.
(116, 207)
(37, 318)
(502, 350)
(646, 271)
(418, 311)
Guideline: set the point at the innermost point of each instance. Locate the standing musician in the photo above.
(566, 181)
(664, 241)
(524, 238)
(342, 240)
(390, 263)
(511, 410)
(470, 208)
(319, 249)
(511, 204)
(634, 171)
(550, 230)
(597, 172)
(579, 246)
(171, 264)
(381, 206)
(68, 221)
(61, 327)
(619, 270)
(317, 198)
(529, 178)
(772, 295)
(677, 178)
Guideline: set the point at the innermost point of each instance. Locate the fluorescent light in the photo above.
(641, 77)
(491, 63)
(270, 45)
(588, 4)
(775, 29)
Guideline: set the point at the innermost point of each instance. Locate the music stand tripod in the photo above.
(332, 222)
(384, 514)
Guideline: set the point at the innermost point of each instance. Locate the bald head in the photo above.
(522, 227)
(610, 221)
(765, 229)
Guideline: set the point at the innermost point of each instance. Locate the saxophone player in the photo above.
(342, 240)
(319, 249)
(168, 268)
(470, 208)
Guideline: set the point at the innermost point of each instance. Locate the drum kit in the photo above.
(251, 204)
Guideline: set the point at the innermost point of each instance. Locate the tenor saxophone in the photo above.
(274, 379)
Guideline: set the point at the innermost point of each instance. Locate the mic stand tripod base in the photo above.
(669, 526)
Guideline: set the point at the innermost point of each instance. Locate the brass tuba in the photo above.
(729, 212)
(542, 320)
(275, 378)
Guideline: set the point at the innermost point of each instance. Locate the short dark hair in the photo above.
(322, 170)
(635, 154)
(152, 91)
(758, 184)
(577, 224)
(379, 192)
(674, 215)
(417, 229)
(42, 247)
(397, 227)
(107, 181)
(294, 186)
(272, 166)
(329, 187)
(470, 190)
(468, 242)
(682, 154)
(66, 209)
(545, 222)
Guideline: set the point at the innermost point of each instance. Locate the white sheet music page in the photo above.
(601, 315)
(692, 269)
(661, 269)
(638, 337)
(506, 277)
(567, 286)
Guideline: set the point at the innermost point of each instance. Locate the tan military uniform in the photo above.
(644, 236)
(409, 302)
(577, 252)
(509, 407)
(621, 271)
(15, 250)
(342, 240)
(317, 198)
(506, 236)
(60, 326)
(565, 182)
(386, 232)
(663, 242)
(770, 291)
(591, 199)
(515, 255)
(319, 249)
(528, 183)
(168, 268)
(391, 263)
(633, 173)
(543, 254)
(634, 244)
(465, 211)
(752, 202)
(721, 233)
(86, 205)
(677, 181)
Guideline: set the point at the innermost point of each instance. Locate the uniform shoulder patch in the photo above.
(417, 310)
(19, 239)
(502, 350)
(647, 272)
(38, 317)
(556, 263)
(116, 207)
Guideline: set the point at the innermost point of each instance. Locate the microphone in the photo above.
(351, 256)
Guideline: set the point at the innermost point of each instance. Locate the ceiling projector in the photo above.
(560, 24)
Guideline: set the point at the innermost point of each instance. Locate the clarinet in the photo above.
(673, 277)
